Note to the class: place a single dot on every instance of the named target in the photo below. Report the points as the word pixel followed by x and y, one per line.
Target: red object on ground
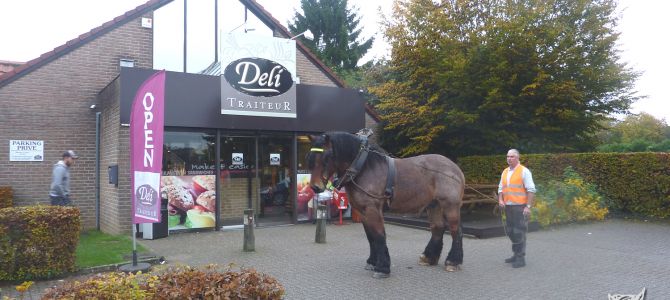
pixel 341 200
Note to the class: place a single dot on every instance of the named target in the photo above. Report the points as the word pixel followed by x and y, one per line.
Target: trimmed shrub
pixel 38 242
pixel 6 196
pixel 629 182
pixel 180 282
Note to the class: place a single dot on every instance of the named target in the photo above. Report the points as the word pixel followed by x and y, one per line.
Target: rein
pixel 499 209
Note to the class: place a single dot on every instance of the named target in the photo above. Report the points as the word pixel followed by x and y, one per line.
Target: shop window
pixel 305 194
pixel 168 39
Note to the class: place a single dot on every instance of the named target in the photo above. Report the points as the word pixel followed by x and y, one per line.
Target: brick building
pixel 77 97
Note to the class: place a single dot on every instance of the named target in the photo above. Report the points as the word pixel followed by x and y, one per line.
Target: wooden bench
pixel 476 194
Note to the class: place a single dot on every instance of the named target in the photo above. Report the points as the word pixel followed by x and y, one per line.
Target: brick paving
pixel 579 261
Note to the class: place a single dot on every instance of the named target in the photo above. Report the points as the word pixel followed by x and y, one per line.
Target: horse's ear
pixel 327 140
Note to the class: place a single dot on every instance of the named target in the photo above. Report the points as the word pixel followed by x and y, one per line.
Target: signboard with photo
pixel 26 150
pixel 191 201
pixel 238 159
pixel 275 159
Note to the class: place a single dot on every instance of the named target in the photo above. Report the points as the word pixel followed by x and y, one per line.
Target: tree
pixel 642 132
pixel 336 33
pixel 483 76
pixel 642 126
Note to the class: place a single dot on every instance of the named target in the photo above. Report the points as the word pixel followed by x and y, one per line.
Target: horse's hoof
pixel 425 261
pixel 370 267
pixel 452 268
pixel 380 275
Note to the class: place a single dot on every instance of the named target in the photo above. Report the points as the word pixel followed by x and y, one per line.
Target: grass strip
pixel 98 249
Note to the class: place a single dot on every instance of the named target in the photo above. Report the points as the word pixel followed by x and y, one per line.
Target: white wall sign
pixel 238 158
pixel 26 150
pixel 275 159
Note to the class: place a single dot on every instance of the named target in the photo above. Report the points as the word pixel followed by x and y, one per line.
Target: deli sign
pixel 258 76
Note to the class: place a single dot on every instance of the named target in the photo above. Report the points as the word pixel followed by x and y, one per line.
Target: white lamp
pixel 308 35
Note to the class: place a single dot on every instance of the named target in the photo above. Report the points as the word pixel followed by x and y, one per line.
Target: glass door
pixel 239 184
pixel 275 161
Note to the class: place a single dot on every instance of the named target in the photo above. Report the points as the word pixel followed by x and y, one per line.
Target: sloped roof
pixel 79 41
pixel 8 66
pixel 151 5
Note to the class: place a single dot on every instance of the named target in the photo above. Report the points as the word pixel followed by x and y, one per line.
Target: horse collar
pixel 357 164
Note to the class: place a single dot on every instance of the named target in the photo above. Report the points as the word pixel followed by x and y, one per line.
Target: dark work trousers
pixel 62 201
pixel 517 226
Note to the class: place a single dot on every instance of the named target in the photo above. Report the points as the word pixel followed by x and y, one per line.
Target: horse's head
pixel 319 162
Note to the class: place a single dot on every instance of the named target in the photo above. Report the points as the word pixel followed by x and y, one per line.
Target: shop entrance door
pixel 275 161
pixel 239 180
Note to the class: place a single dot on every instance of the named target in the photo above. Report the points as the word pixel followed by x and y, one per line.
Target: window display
pixel 188 179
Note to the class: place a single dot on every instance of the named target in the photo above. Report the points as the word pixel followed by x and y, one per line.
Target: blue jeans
pixel 60 200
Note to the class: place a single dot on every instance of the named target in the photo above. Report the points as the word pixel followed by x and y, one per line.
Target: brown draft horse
pixel 431 182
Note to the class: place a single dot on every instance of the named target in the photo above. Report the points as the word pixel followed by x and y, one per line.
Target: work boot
pixel 511 259
pixel 519 262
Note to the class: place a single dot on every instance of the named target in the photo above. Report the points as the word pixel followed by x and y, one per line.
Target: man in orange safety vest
pixel 516 193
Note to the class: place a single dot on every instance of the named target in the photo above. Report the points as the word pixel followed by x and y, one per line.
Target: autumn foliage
pixel 179 282
pixel 477 77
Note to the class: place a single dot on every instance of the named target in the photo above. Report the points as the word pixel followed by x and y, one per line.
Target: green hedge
pixel 630 182
pixel 6 196
pixel 38 242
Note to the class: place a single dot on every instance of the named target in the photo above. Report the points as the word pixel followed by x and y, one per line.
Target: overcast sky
pixel 29 28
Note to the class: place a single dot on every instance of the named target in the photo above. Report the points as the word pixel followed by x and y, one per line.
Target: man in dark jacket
pixel 59 193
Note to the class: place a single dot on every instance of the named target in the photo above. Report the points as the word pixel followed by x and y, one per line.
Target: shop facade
pixel 215 163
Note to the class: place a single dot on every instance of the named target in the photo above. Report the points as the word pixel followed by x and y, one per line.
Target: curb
pixel 152 260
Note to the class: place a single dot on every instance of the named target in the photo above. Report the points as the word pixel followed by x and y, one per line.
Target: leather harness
pixel 359 162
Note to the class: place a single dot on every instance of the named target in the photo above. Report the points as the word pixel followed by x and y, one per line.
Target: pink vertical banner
pixel 146 149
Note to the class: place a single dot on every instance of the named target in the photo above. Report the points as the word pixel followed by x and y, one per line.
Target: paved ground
pixel 583 261
pixel 570 262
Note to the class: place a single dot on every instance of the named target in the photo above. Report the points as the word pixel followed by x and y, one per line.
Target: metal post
pixel 320 236
pixel 135 267
pixel 249 239
pixel 134 245
pixel 185 34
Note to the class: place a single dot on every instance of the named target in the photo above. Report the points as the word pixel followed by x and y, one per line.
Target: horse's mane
pixel 345 147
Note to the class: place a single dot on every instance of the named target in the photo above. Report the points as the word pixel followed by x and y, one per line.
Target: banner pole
pixel 134 245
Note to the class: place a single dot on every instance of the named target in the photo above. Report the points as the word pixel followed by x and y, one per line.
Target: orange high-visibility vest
pixel 514 191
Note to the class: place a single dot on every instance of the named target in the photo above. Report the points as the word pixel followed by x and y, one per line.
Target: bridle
pixel 354 168
pixel 324 166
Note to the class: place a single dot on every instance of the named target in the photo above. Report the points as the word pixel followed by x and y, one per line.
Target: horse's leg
pixel 455 256
pixel 372 259
pixel 375 223
pixel 431 255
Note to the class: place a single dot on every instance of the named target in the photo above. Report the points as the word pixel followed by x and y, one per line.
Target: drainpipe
pixel 97 170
